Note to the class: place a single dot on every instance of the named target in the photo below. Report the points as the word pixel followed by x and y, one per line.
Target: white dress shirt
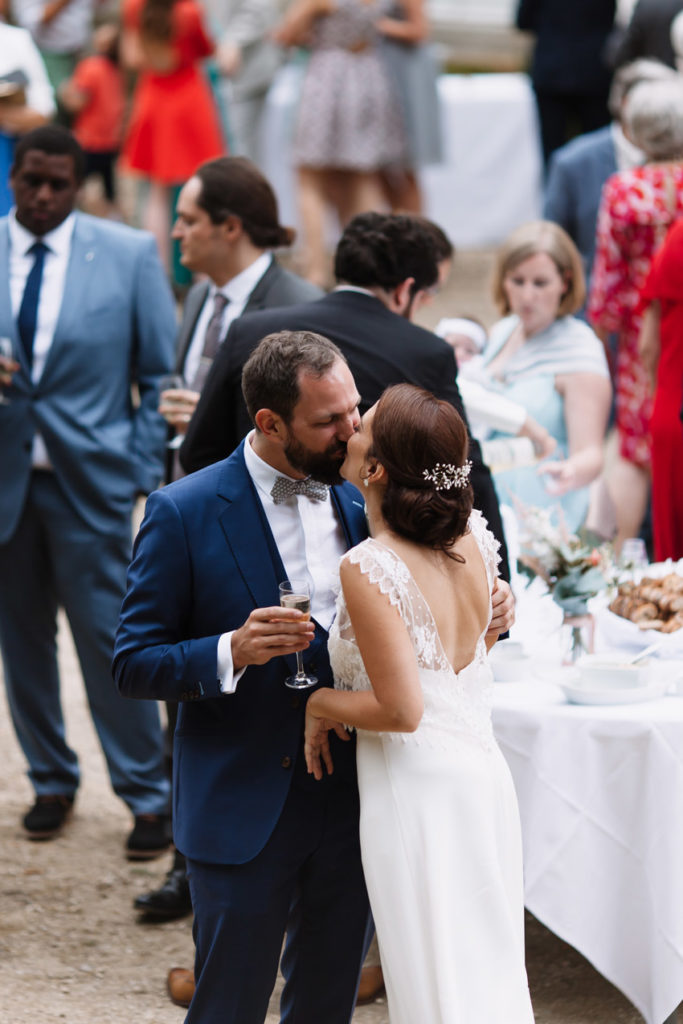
pixel 51 295
pixel 627 155
pixel 311 543
pixel 237 292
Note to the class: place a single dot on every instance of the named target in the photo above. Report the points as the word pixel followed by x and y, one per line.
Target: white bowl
pixel 605 672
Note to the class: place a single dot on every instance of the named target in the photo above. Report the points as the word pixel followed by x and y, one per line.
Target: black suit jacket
pixel 277 287
pixel 648 33
pixel 571 40
pixel 381 348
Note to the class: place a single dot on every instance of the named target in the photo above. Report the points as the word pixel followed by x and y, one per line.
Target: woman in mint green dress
pixel 551 363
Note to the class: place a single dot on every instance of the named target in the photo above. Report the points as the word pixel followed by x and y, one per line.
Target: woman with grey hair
pixel 637 209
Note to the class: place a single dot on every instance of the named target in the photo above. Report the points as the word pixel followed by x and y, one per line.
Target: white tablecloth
pixel 600 791
pixel 491 178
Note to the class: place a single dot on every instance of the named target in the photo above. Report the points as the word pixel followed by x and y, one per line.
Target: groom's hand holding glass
pixel 269 633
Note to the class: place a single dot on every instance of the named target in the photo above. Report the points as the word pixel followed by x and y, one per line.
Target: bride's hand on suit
pixel 317 740
pixel 502 608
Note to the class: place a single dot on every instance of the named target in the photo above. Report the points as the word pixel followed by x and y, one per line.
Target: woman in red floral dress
pixel 637 208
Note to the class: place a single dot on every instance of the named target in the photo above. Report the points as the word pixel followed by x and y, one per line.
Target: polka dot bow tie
pixel 284 488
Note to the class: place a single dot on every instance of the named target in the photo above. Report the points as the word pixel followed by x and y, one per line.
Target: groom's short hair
pixel 270 377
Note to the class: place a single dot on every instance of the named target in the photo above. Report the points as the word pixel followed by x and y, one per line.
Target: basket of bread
pixel 652 604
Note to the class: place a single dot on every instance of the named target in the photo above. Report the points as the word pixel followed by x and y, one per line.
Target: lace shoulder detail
pixel 488 545
pixel 387 570
pixel 381 566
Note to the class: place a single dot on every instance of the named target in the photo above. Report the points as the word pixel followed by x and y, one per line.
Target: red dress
pixel 636 209
pixel 174 124
pixel 665 283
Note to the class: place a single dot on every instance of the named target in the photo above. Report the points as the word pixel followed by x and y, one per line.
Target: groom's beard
pixel 323 466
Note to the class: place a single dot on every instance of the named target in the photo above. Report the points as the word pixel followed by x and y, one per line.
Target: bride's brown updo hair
pixel 412 431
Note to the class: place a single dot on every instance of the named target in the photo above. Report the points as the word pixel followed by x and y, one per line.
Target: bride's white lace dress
pixel 440 831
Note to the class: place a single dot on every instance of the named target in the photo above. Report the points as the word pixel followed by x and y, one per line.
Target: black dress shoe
pixel 47 817
pixel 150 837
pixel 169 902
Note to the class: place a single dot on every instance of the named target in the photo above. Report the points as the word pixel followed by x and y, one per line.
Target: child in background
pixel 95 95
pixel 488 410
pixel 466 336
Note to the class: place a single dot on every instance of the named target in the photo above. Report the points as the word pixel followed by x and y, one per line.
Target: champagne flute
pixel 297 594
pixel 172 382
pixel 7 353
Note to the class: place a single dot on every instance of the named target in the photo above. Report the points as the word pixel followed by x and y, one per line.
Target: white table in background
pixel 600 791
pixel 490 180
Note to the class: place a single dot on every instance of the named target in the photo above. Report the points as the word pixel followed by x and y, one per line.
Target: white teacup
pixel 509 661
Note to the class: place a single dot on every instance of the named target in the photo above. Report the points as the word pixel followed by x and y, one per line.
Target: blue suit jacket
pixel 116 327
pixel 204 559
pixel 576 174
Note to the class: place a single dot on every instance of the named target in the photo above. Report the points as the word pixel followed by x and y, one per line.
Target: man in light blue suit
pixel 90 316
pixel 580 168
pixel 269 849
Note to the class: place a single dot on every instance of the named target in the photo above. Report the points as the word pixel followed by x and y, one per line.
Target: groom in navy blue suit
pixel 269 849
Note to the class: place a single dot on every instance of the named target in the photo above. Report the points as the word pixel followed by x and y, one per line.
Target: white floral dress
pixel 440 833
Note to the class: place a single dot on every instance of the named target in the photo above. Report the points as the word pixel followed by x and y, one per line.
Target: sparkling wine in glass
pixel 6 353
pixel 170 382
pixel 297 594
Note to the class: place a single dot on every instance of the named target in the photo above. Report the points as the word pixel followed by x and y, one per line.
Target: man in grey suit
pixel 247 60
pixel 226 223
pixel 89 313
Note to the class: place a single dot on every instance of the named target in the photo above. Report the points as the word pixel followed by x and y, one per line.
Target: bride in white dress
pixel 440 832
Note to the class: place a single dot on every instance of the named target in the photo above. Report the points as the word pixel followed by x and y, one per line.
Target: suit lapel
pixel 350 507
pixel 193 306
pixel 258 296
pixel 8 324
pixel 248 534
pixel 78 287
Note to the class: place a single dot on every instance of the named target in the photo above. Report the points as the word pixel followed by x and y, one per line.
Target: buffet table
pixel 600 791
pixel 490 180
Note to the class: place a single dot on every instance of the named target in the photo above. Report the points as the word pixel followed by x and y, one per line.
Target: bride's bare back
pixel 457 592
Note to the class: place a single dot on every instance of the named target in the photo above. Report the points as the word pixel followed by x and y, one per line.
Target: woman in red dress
pixel 637 208
pixel 174 125
pixel 663 357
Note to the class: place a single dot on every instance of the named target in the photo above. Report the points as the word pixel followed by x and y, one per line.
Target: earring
pixel 365 482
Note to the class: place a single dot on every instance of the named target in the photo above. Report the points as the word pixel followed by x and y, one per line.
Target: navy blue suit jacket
pixel 204 559
pixel 571 38
pixel 576 174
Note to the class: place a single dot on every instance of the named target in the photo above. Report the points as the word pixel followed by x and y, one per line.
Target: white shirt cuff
pixel 227 677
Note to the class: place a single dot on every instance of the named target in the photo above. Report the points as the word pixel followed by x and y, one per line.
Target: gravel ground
pixel 71 948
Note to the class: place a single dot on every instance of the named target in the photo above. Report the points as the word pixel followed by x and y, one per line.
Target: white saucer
pixel 578 694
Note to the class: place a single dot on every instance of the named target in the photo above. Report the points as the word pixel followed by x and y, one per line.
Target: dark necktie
pixel 284 488
pixel 28 311
pixel 212 340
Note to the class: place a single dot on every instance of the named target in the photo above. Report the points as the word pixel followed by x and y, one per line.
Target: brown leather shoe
pixel 181 986
pixel 371 985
